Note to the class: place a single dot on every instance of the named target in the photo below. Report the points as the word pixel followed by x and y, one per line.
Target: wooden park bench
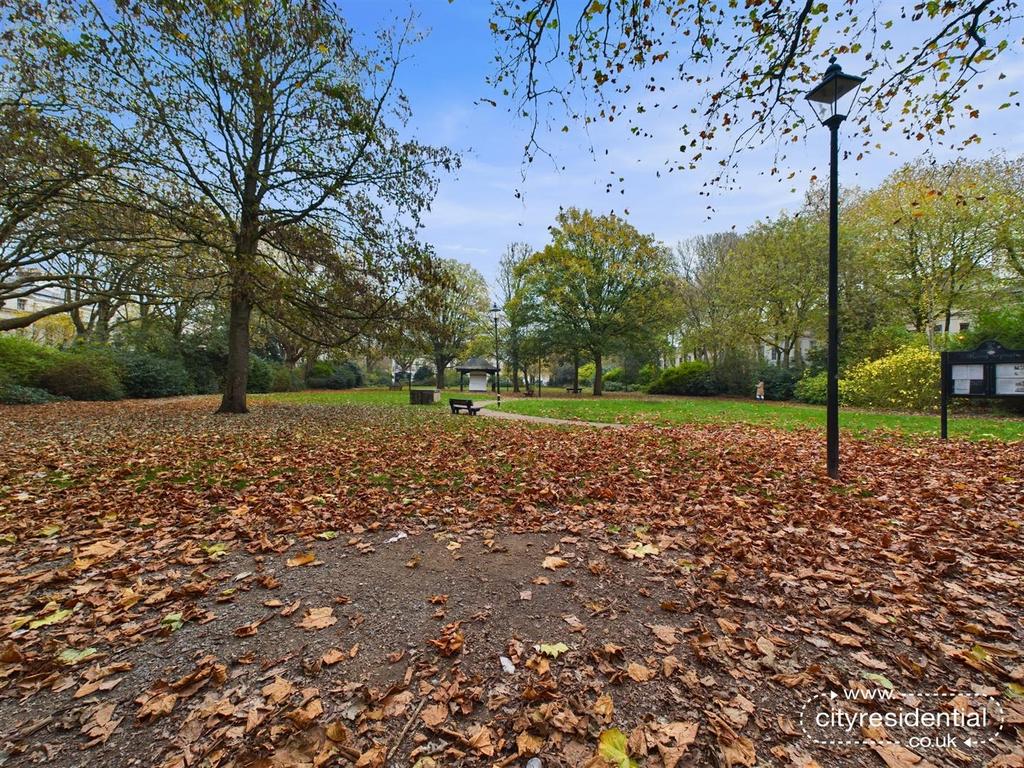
pixel 457 404
pixel 573 390
pixel 396 387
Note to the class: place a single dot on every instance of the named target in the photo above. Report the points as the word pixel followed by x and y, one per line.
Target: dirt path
pixel 491 411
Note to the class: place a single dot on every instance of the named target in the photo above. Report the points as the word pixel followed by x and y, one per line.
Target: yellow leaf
pixel 612 747
pixel 554 651
pixel 306 558
pixel 53 618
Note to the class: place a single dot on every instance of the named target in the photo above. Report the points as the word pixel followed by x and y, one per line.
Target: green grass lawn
pixel 785 415
pixel 369 396
pixel 666 410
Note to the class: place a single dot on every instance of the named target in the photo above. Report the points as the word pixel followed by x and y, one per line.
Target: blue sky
pixel 476 213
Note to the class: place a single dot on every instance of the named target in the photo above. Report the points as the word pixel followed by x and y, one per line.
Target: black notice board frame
pixel 988 355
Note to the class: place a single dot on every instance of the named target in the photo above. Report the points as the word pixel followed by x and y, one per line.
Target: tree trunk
pixel 237 375
pixel 515 376
pixel 101 330
pixel 598 375
pixel 310 361
pixel 247 243
pixel 76 319
pixel 439 366
pixel 575 370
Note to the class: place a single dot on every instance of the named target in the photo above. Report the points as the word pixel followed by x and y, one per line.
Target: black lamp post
pixel 831 99
pixel 495 311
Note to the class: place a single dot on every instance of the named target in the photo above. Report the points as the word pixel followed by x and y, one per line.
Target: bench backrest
pixel 458 401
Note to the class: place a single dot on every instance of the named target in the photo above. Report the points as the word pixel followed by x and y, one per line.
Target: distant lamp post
pixel 831 99
pixel 495 311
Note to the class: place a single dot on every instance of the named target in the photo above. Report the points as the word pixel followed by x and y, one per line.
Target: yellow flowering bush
pixel 906 380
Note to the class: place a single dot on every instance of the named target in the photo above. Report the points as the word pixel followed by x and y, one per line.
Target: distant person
pixel 759 393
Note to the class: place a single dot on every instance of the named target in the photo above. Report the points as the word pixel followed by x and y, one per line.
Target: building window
pixel 22 304
pixel 937 328
pixel 965 326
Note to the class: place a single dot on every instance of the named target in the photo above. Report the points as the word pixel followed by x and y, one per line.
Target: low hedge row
pixel 692 378
pixel 699 379
pixel 32 373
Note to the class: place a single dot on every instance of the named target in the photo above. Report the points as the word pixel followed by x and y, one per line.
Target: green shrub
pixel 871 344
pixel 321 370
pixel 146 375
pixel 812 389
pixel 614 386
pixel 285 380
pixel 83 376
pixel 587 373
pixel 15 394
pixel 345 375
pixel 647 374
pixel 260 375
pixel 1002 324
pixel 779 382
pixel 907 380
pixel 205 361
pixel 424 375
pixel 692 378
pixel 735 373
pixel 615 375
pixel 23 361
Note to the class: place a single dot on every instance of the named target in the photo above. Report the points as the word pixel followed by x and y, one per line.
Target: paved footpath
pixel 491 411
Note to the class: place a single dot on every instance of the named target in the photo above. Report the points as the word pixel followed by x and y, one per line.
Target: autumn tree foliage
pixel 515 309
pixel 932 241
pixel 66 228
pixel 604 280
pixel 263 134
pixel 750 64
pixel 446 312
pixel 942 235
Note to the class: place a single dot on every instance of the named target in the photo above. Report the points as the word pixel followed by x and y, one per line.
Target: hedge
pixel 345 375
pixel 812 389
pixel 779 382
pixel 260 375
pixel 23 361
pixel 15 394
pixel 285 380
pixel 692 378
pixel 146 375
pixel 83 376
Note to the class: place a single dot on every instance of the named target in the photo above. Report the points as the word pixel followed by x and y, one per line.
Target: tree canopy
pixel 750 64
pixel 259 131
pixel 604 280
pixel 447 312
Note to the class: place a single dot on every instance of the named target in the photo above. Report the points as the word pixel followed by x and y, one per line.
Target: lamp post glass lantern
pixel 495 311
pixel 831 100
